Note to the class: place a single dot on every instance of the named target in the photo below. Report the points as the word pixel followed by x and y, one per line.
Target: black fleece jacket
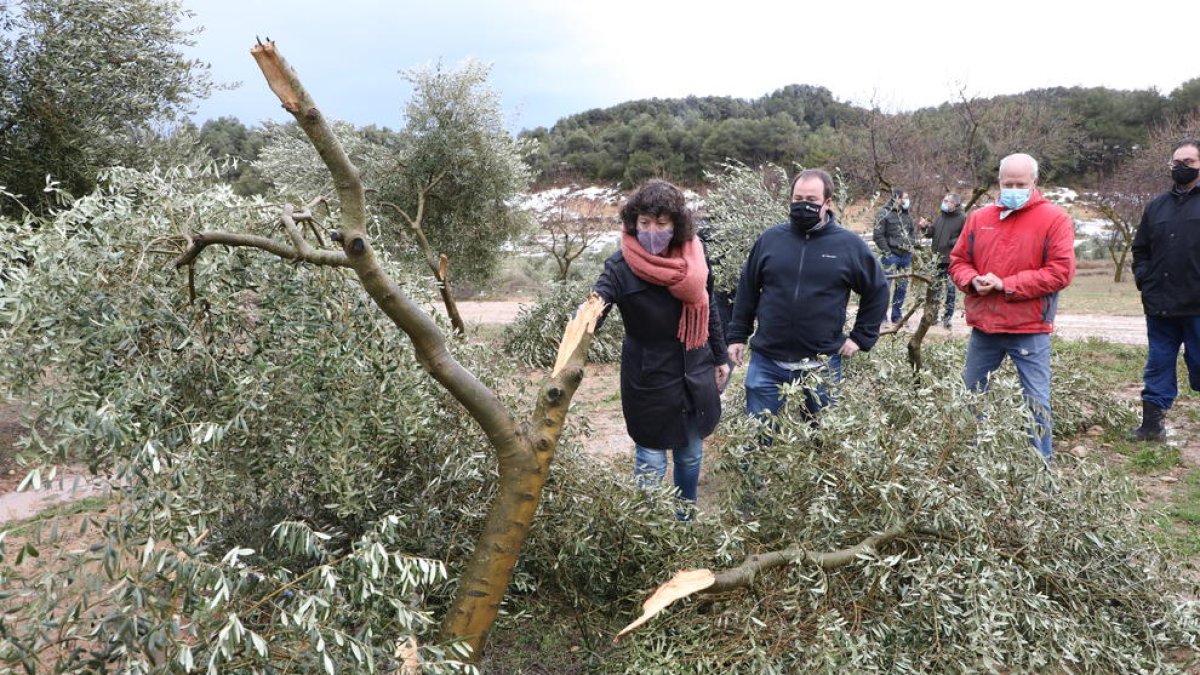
pixel 797 286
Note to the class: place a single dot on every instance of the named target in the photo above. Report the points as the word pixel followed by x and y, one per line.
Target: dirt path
pixel 1129 330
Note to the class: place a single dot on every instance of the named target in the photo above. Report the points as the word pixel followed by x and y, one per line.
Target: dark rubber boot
pixel 1152 428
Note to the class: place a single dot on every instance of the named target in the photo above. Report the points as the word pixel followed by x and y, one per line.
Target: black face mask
pixel 805 215
pixel 1183 174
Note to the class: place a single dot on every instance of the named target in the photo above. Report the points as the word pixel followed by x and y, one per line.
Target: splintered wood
pixel 680 586
pixel 582 325
pixel 274 69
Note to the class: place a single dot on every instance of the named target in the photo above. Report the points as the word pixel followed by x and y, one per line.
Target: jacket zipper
pixel 800 267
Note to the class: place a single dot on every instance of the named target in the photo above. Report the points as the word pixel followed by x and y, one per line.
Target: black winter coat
pixel 1166 255
pixel 945 230
pixel 893 232
pixel 661 383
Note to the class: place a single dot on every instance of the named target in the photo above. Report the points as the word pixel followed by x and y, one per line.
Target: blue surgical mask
pixel 1014 198
pixel 655 241
pixel 904 204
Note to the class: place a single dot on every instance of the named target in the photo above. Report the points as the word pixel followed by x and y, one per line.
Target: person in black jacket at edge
pixel 894 237
pixel 796 286
pixel 1166 268
pixel 673 358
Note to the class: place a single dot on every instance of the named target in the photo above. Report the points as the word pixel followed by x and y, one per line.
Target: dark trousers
pixel 1165 336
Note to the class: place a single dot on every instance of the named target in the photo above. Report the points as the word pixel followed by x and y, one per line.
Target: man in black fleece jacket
pixel 796 285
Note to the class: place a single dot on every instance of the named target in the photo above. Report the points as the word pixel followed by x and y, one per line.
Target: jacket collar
pixel 829 224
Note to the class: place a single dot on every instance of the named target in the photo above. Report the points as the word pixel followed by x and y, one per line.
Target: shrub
pixel 532 339
pixel 1005 566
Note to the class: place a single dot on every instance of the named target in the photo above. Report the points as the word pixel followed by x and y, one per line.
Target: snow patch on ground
pixel 1061 196
pixel 574 201
pixel 1096 227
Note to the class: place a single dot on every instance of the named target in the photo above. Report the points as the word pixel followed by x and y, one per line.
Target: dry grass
pixel 1093 292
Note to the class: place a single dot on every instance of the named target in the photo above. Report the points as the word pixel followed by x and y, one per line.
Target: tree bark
pixel 438 264
pixel 523 472
pixel 705 582
pixel 928 317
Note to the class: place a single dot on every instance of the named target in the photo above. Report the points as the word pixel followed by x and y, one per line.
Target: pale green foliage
pixel 295 168
pixel 453 148
pixel 533 337
pixel 454 128
pixel 85 84
pixel 277 396
pixel 1008 567
pixel 742 203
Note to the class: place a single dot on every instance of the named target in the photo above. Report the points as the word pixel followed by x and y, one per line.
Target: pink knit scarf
pixel 684 273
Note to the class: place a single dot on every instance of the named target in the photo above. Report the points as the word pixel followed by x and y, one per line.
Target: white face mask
pixel 904 203
pixel 947 207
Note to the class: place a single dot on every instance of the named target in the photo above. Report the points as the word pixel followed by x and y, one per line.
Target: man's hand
pixel 848 348
pixel 722 375
pixel 987 283
pixel 737 351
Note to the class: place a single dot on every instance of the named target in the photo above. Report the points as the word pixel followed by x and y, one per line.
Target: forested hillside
pixel 1081 132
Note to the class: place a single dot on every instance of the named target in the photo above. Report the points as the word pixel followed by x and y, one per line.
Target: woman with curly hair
pixel 673 358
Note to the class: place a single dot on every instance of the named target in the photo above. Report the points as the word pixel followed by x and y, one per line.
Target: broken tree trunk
pixel 524 449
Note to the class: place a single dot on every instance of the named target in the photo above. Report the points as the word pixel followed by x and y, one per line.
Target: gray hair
pixel 954 198
pixel 1020 155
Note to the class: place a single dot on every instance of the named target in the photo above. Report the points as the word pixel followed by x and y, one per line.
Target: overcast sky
pixel 552 58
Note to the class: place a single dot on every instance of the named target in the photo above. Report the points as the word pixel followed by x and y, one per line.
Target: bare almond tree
pixel 570 226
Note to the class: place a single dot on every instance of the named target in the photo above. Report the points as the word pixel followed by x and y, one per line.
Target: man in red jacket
pixel 1012 259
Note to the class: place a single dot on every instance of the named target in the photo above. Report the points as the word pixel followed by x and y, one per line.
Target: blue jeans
pixel 764 376
pixel 1165 335
pixel 897 264
pixel 1030 353
pixel 943 276
pixel 650 464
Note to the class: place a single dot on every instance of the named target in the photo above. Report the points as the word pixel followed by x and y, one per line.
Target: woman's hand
pixel 722 375
pixel 737 351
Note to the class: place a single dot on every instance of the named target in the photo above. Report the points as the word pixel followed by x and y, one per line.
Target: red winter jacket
pixel 1032 251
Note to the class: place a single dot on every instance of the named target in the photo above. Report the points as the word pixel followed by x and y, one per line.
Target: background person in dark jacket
pixel 1166 267
pixel 944 234
pixel 894 237
pixel 673 358
pixel 796 286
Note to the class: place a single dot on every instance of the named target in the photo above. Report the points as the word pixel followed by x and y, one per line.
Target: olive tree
pixel 913 528
pixel 85 83
pixel 443 187
pixel 179 382
pixel 742 203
